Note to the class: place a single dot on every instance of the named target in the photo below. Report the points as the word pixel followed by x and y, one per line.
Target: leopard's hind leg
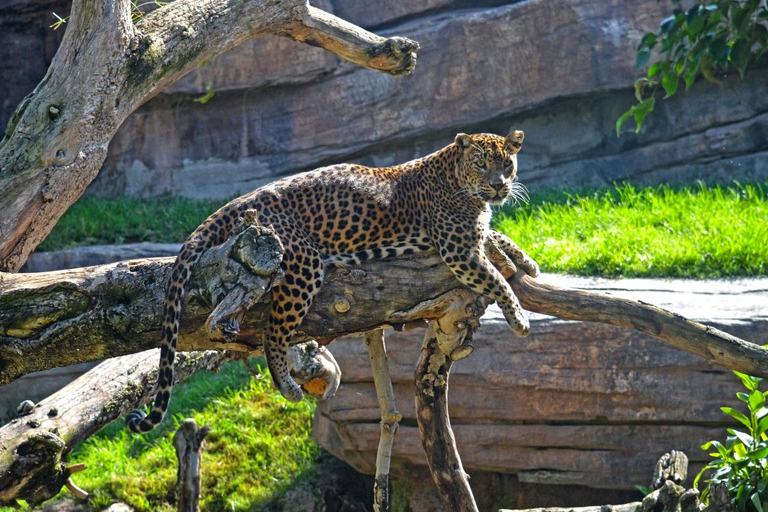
pixel 303 269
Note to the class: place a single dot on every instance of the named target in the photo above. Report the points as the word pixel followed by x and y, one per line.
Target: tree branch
pixel 57 139
pixel 59 318
pixel 32 446
pixel 431 402
pixel 396 55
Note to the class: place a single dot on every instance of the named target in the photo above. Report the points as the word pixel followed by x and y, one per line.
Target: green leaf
pixel 741 52
pixel 718 50
pixel 737 415
pixel 654 70
pixel 751 383
pixel 643 55
pixel 642 109
pixel 762 426
pixel 759 453
pixel 745 438
pixel 667 24
pixel 756 401
pixel 744 397
pixel 623 119
pixel 690 74
pixel 669 83
pixel 648 41
pixel 208 95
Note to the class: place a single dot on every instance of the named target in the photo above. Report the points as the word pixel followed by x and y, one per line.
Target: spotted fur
pixel 345 214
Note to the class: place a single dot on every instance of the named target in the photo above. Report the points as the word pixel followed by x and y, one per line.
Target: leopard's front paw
pixel 518 322
pixel 528 266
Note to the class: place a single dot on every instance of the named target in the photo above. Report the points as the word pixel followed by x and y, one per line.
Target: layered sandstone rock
pixel 578 404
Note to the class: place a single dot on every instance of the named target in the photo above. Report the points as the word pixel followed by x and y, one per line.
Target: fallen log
pixel 116 309
pixel 33 447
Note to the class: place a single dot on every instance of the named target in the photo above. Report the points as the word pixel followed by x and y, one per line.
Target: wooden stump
pixel 188 442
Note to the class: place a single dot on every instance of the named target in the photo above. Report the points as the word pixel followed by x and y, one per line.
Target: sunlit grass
pixel 653 232
pixel 258 446
pixel 96 221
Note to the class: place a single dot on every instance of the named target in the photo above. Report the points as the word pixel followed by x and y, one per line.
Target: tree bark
pixel 390 418
pixel 431 399
pixel 107 66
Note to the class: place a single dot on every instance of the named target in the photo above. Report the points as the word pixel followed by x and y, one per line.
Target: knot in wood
pixel 464 350
pixel 53 112
pixel 25 407
pixel 341 305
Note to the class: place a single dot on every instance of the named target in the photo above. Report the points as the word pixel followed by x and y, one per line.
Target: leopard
pixel 345 214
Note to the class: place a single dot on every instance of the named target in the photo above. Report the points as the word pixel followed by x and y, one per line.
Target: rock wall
pixel 561 70
pixel 574 405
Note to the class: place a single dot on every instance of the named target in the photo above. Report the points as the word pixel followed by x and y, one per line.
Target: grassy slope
pixel 95 221
pixel 695 232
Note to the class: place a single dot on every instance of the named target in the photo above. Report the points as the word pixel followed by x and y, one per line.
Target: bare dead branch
pixel 389 417
pixel 188 442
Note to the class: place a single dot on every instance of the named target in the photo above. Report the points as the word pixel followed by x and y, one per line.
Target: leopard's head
pixel 487 166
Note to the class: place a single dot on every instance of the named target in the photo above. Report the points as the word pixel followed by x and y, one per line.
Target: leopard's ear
pixel 463 141
pixel 514 141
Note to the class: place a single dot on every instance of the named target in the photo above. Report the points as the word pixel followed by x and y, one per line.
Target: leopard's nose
pixel 497 186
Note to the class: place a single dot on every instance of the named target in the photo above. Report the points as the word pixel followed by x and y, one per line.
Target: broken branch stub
pixel 188 443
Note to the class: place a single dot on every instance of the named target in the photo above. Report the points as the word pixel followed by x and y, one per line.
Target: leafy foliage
pixel 710 37
pixel 740 463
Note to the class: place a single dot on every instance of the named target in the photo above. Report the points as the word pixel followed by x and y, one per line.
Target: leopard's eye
pixel 480 164
pixel 508 162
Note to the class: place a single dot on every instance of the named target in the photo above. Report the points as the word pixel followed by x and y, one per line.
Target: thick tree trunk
pixel 107 66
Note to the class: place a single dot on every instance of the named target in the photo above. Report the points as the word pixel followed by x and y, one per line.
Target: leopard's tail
pixel 214 231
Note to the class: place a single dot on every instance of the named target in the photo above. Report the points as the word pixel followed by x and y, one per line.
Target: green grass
pixel 259 446
pixel 94 221
pixel 697 232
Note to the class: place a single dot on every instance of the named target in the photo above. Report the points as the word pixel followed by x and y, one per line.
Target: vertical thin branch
pixel 188 442
pixel 389 417
pixel 431 399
